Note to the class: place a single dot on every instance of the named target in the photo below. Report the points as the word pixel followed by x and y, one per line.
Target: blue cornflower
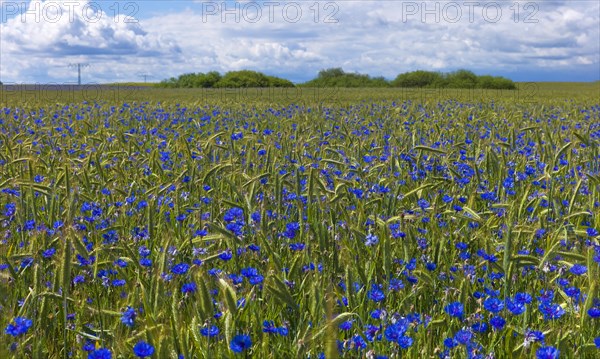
pixel 480 327
pixel 455 309
pixel 128 317
pixel 256 279
pixel 141 205
pixel 240 343
pixel 377 314
pixel 376 294
pixel 551 310
pixel 101 353
pixel 120 262
pixel 291 229
pixel 534 336
pixel 249 272
pixel 226 255
pixel 347 325
pixel 269 327
pixel 236 227
pixel 573 292
pixel 405 342
pixel 210 332
pixel 189 288
pixel 201 233
pixel 578 269
pixel 21 326
pixel 547 353
pixel 594 312
pixel 524 298
pixel 237 136
pixel 357 192
pixel 394 331
pixel 233 214
pixel 430 266
pixel 180 268
pixel 9 209
pixel 297 246
pixel 371 332
pixel 592 232
pixel 423 203
pixel 358 342
pixel 48 253
pixel 143 349
pixel 447 199
pixel 371 240
pixel 395 284
pixel 118 282
pixel 493 305
pixel 546 295
pixel 450 343
pixel 463 336
pixel 515 307
pixel 110 237
pixel 88 346
pixel 29 225
pixel 146 262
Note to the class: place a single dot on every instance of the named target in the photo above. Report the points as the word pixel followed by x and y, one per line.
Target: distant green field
pixel 526 93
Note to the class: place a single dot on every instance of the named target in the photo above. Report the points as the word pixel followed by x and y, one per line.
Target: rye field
pixel 300 223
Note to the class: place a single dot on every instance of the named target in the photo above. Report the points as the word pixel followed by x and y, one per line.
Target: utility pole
pixel 79 66
pixel 145 76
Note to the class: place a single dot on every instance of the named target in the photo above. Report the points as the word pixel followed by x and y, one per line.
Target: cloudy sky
pixel 525 41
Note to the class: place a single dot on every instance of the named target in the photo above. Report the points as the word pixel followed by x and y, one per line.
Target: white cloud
pixel 379 38
pixel 51 34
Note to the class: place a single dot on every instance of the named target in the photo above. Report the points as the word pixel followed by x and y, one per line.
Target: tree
pixel 232 79
pixel 418 78
pixel 336 77
pixel 462 79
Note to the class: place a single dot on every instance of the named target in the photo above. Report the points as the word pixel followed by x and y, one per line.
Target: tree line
pixel 337 77
pixel 232 79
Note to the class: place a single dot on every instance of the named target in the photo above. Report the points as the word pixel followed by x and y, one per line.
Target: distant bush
pixel 457 79
pixel 336 77
pixel 418 79
pixel 232 79
pixel 495 82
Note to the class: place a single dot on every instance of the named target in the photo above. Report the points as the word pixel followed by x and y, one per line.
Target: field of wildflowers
pixel 369 226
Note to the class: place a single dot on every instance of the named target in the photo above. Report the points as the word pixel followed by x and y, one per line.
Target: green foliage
pixel 233 79
pixel 460 79
pixel 495 82
pixel 418 78
pixel 336 77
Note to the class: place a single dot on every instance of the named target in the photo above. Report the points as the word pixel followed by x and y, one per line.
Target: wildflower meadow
pixel 372 224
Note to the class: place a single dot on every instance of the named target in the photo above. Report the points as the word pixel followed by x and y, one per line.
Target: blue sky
pixel 525 41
